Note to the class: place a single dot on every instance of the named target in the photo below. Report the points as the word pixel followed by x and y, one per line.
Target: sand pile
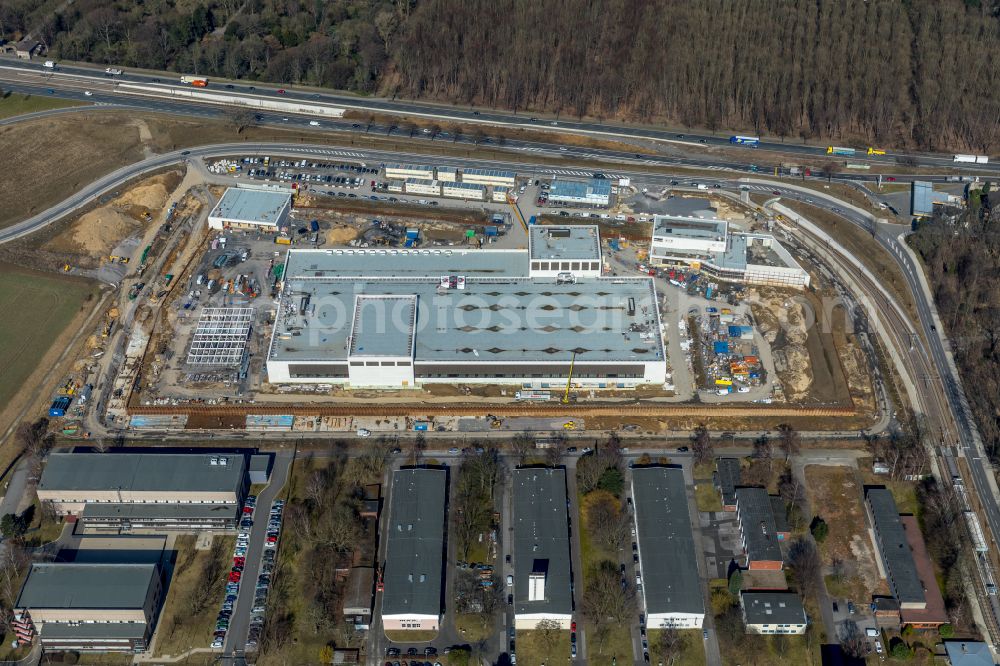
pixel 151 195
pixel 98 231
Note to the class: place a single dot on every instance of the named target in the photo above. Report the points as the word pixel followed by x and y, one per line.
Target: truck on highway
pixel 972 159
pixel 752 141
pixel 835 150
pixel 196 81
pixel 875 151
pixel 113 71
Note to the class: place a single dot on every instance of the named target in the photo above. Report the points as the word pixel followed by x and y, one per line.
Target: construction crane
pixel 569 380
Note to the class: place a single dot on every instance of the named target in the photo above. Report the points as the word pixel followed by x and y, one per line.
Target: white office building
pixel 250 209
pixel 699 240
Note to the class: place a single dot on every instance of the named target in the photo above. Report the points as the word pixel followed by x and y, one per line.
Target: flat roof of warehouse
pixel 541 539
pixel 86 586
pixel 402 264
pixel 383 326
pixel 569 242
pixel 663 526
pixel 251 205
pixel 166 472
pixel 415 543
pixel 491 320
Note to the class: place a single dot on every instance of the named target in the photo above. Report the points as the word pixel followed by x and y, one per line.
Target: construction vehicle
pixel 875 151
pixel 496 423
pixel 115 258
pixel 569 425
pixel 569 380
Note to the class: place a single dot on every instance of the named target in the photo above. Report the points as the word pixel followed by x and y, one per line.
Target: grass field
pixel 38 309
pixel 707 497
pixel 532 648
pixel 617 641
pixel 181 630
pixel 16 104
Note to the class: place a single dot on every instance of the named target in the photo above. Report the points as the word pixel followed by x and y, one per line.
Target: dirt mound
pixel 341 235
pixel 151 195
pixel 98 231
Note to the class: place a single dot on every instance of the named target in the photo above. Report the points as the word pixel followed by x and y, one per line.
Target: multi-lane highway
pixel 76 80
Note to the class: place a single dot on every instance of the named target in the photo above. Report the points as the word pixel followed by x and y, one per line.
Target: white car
pixel 362 432
pixel 314 123
pixel 510 581
pixel 878 647
pixel 217 643
pixel 88 93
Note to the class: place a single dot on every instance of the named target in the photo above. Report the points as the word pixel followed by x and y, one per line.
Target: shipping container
pixel 59 406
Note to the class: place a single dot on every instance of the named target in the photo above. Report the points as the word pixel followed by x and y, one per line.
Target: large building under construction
pixel 402 318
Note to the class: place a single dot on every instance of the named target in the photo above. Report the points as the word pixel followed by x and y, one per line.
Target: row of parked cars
pixel 235 574
pixel 264 577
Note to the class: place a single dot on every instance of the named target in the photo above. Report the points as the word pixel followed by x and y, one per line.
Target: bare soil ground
pixel 95 233
pixel 835 495
pixel 57 155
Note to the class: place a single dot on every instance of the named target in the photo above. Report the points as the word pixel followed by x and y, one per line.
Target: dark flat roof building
pixel 92 606
pixel 757 529
pixel 728 470
pixel 414 566
pixel 897 558
pixel 672 595
pixel 147 490
pixel 541 548
pixel 773 613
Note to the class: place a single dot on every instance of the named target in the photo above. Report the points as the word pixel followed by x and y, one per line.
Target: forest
pixel 962 260
pixel 914 73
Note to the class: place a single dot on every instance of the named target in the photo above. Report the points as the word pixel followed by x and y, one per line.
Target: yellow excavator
pixel 569 380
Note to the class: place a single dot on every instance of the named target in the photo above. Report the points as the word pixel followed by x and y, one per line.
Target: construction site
pixel 252 315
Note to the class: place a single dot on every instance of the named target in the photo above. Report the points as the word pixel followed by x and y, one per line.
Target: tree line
pixel 919 73
pixel 962 259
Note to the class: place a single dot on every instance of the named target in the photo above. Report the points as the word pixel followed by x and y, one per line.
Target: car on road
pixel 878 646
pixel 88 93
pixel 683 449
pixel 776 193
pixel 281 91
pixel 704 634
pixel 572 650
pixel 314 123
pixel 510 581
pixel 454 451
pixel 363 432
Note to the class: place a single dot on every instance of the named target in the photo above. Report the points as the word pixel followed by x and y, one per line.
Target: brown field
pixel 835 494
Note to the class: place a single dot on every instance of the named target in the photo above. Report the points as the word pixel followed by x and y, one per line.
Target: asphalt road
pixel 13 69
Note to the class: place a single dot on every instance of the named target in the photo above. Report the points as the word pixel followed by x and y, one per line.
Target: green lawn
pixel 530 648
pixel 16 104
pixel 692 654
pixel 707 497
pixel 38 308
pixel 471 627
